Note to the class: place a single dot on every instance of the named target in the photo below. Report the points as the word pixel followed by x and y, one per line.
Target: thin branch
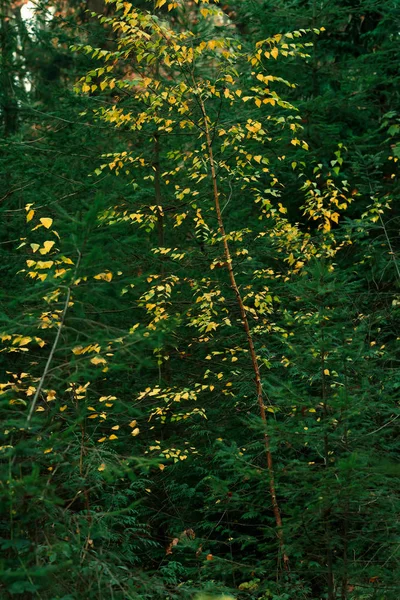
pixel 383 426
pixel 54 347
pixel 246 326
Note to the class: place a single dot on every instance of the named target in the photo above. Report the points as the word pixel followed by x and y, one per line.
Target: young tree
pixel 201 329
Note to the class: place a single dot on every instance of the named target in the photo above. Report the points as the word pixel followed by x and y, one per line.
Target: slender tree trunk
pixel 157 190
pixel 345 582
pixel 327 511
pixel 164 369
pixel 250 342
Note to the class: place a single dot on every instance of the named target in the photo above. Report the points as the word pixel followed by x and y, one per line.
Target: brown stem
pixel 164 369
pixel 157 190
pixel 86 493
pixel 250 342
pixel 328 536
pixel 345 582
pixel 157 181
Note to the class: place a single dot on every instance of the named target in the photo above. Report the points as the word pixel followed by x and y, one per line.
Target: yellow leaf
pixel 104 276
pixel 29 216
pixel 103 439
pixel 161 467
pixel 326 372
pixel 35 247
pixel 335 217
pixel 113 437
pixel 62 408
pixel 46 222
pixel 40 409
pixel 135 432
pixel 258 102
pixel 275 52
pixel 47 246
pixel 48 451
pixel 104 398
pixel 60 272
pixel 116 427
pixel 101 467
pixel 257 158
pixel 44 264
pixel 103 85
pixel 132 423
pixel 85 88
pixel 98 360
